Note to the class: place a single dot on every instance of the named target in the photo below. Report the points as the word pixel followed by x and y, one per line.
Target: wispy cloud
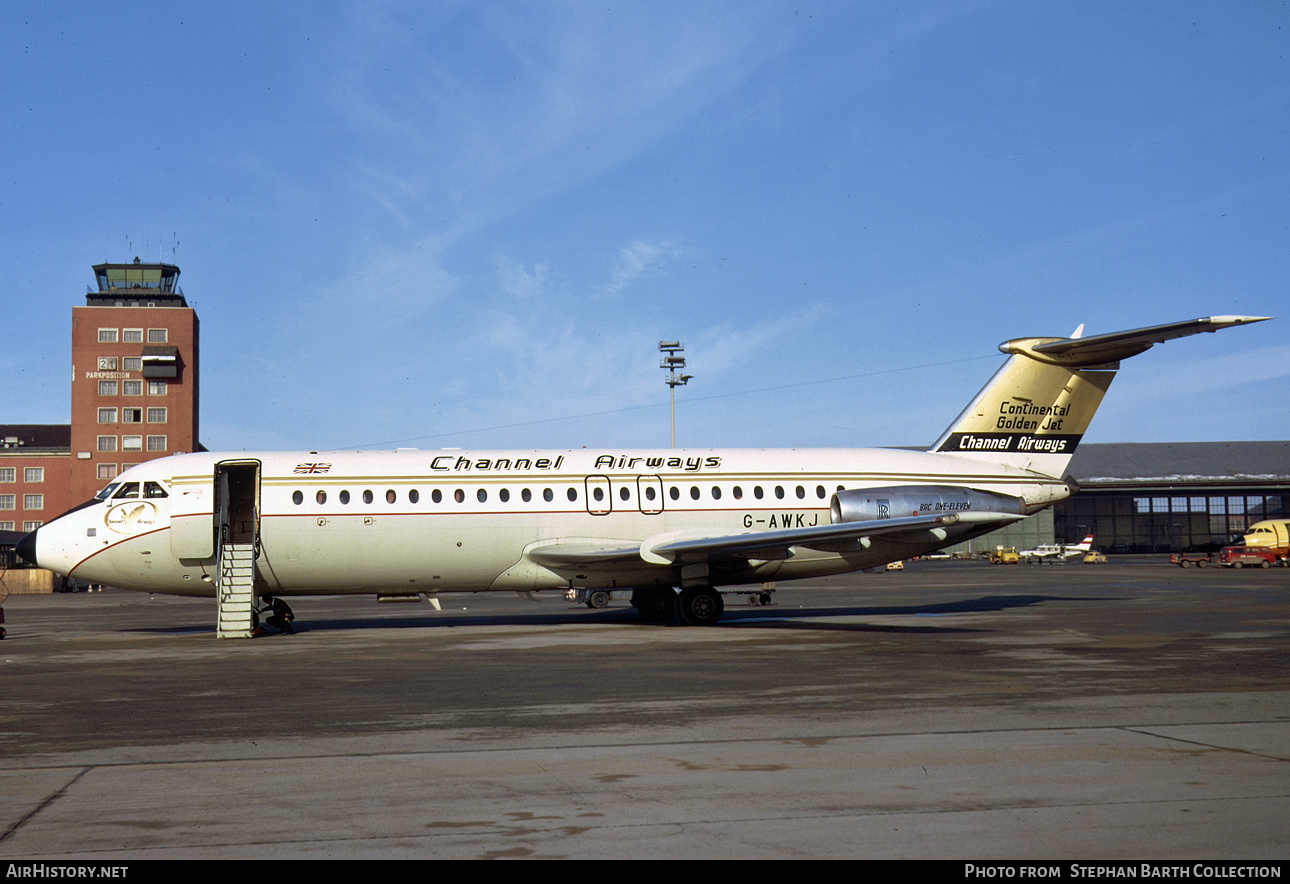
pixel 728 348
pixel 636 260
pixel 519 282
pixel 1245 372
pixel 565 94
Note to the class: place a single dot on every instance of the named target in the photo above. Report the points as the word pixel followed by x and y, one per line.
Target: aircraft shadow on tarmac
pixel 772 617
pixel 818 618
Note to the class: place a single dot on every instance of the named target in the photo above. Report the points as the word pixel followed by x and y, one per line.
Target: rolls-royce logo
pixel 131 517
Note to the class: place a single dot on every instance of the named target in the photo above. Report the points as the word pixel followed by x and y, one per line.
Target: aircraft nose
pixel 27 547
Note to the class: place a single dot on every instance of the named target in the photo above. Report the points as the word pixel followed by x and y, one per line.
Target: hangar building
pixel 1173 496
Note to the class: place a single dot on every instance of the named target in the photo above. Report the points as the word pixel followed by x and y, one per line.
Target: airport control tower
pixel 134 373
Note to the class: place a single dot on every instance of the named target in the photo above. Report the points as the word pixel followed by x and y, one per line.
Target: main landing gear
pixel 694 605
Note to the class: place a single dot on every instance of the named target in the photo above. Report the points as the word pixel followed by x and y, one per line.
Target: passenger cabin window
pixel 344 497
pixel 414 496
pixel 436 496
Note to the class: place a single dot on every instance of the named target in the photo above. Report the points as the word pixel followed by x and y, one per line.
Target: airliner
pixel 1059 550
pixel 673 527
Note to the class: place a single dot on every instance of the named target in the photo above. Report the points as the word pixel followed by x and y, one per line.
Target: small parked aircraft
pixel 1058 550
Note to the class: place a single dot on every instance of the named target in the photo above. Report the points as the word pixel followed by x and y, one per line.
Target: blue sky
pixel 469 224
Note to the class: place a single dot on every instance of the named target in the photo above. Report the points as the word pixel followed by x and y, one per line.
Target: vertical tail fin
pixel 1031 415
pixel 1034 411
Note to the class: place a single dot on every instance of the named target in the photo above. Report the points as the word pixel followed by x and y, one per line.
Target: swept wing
pixel 684 548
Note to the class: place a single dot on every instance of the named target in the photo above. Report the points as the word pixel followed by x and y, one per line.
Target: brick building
pixel 133 398
pixel 35 474
pixel 134 373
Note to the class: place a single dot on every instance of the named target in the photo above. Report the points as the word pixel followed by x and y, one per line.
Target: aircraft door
pixel 649 491
pixel 237 499
pixel 192 521
pixel 600 500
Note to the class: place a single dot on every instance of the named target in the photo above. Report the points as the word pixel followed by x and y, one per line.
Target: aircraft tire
pixel 655 605
pixel 701 606
pixel 598 599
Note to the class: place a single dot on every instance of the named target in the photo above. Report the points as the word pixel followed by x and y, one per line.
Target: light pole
pixel 672 363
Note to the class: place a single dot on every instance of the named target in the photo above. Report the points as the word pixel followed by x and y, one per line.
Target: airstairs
pixel 236 588
pixel 238 532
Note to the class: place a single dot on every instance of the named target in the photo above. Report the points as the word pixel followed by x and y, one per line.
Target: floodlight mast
pixel 672 363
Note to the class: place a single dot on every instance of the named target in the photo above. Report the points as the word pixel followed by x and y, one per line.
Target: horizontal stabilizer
pixel 1035 410
pixel 1079 352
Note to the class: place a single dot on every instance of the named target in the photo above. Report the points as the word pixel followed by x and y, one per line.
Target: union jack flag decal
pixel 312 468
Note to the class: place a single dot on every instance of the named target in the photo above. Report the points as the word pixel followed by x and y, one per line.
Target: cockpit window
pixel 106 492
pixel 154 490
pixel 127 490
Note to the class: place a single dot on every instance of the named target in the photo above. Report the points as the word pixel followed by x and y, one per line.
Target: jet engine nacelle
pixel 900 501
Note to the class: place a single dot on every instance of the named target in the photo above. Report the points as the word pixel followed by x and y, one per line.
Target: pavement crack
pixel 1203 745
pixel 48 801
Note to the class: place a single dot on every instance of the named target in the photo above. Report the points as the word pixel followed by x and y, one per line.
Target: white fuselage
pixel 408 521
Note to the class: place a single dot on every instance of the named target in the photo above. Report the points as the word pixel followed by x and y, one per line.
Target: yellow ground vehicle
pixel 1005 555
pixel 1093 557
